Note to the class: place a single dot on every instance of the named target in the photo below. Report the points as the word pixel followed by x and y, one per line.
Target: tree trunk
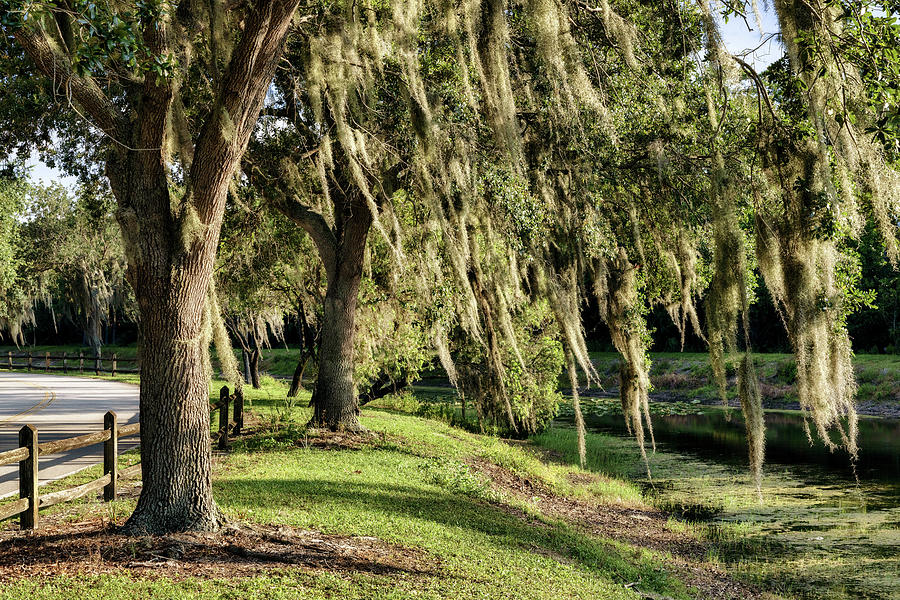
pixel 171 241
pixel 254 362
pixel 174 402
pixel 245 355
pixel 297 379
pixel 335 399
pixel 309 339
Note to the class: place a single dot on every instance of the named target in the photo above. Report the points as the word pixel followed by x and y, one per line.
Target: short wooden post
pixel 28 476
pixel 81 362
pixel 47 361
pixel 114 364
pixel 238 411
pixel 29 361
pixel 223 418
pixel 9 360
pixel 97 364
pixel 111 455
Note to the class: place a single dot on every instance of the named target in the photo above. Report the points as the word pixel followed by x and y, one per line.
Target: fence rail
pixel 69 363
pixel 30 451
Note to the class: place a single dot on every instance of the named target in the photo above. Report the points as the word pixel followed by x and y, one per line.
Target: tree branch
pixel 54 65
pixel 317 228
pixel 224 137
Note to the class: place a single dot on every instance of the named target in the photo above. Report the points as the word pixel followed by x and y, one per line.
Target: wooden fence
pixel 69 364
pixel 30 451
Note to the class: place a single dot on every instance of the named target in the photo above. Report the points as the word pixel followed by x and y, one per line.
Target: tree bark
pixel 254 369
pixel 245 356
pixel 297 379
pixel 335 399
pixel 174 403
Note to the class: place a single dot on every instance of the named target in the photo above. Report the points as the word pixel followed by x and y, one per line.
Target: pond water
pixel 820 531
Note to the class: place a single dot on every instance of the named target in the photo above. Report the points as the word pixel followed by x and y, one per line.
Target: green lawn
pixel 410 485
pixel 413 485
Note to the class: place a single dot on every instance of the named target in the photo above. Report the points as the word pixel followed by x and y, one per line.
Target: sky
pixel 735 33
pixel 41 173
pixel 739 39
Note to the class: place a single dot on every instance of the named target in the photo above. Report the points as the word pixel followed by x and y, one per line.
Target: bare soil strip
pixel 640 527
pixel 93 547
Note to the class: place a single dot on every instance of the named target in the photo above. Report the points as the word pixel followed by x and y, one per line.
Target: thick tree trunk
pixel 174 402
pixel 335 399
pixel 171 242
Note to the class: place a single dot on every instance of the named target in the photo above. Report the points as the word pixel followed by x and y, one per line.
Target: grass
pixel 687 376
pixel 411 485
pixel 414 486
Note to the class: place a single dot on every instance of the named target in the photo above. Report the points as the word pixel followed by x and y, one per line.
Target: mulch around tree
pixel 94 547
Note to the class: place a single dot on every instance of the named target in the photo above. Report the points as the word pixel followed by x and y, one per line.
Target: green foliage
pixel 530 384
pixel 11 207
pixel 68 256
pixel 455 477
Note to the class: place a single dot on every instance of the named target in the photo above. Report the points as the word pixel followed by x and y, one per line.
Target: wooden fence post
pixel 97 364
pixel 29 361
pixel 238 411
pixel 28 476
pixel 223 418
pixel 81 362
pixel 114 364
pixel 111 455
pixel 9 360
pixel 46 361
pixel 66 363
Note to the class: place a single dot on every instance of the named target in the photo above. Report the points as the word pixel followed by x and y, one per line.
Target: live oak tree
pixel 170 149
pixel 307 167
pixel 551 150
pixel 531 165
pixel 67 261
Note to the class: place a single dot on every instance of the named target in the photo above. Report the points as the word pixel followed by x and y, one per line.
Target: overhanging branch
pixel 99 108
pixel 317 228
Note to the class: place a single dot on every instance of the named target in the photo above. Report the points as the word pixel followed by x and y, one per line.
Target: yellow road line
pixel 48 399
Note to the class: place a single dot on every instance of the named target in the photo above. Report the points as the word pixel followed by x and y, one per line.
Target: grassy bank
pixel 688 376
pixel 449 513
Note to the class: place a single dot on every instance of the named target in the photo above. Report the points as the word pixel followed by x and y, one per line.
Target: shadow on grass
pixel 236 551
pixel 502 526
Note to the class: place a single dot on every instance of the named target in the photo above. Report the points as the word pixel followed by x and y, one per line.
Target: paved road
pixel 60 407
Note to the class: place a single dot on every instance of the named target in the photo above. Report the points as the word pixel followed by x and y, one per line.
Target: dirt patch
pixel 258 435
pixel 641 527
pixel 338 440
pixel 638 526
pixel 94 547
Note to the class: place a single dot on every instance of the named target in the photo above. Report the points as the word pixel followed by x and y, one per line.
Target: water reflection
pixel 712 435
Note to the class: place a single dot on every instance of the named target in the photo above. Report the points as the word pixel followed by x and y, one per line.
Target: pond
pixel 818 532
